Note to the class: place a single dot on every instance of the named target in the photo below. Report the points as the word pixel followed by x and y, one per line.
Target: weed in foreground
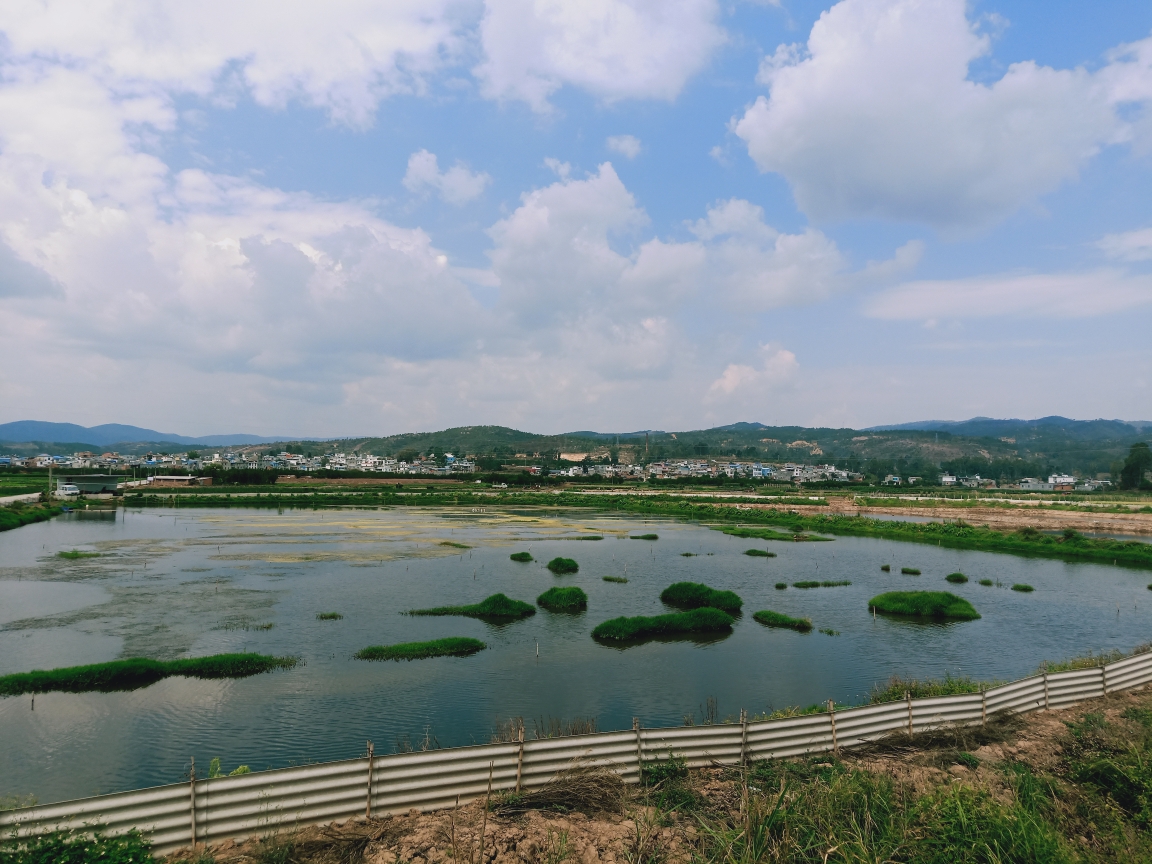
pixel 64 847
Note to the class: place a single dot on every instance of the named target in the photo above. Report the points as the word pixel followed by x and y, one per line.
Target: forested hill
pixel 1033 450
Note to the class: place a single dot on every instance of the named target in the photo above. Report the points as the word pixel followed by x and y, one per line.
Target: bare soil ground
pixel 640 832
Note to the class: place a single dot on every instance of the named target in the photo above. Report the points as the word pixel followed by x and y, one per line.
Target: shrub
pixel 496 606
pixel 693 595
pixel 780 586
pixel 956 578
pixel 760 553
pixel 563 565
pixel 1020 586
pixel 563 600
pixel 775 619
pixel 453 646
pixel 522 557
pixel 705 620
pixel 66 847
pixel 938 605
pixel 909 571
pixel 985 582
pixel 887 568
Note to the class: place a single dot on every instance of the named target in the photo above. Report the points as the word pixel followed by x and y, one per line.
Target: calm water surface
pixel 180 583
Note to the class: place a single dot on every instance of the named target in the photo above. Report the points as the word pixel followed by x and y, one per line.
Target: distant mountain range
pixel 989 427
pixel 114 433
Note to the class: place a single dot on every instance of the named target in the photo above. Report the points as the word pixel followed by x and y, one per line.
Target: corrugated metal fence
pixel 209 811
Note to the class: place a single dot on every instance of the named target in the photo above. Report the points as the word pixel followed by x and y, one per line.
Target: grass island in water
pixel 522 557
pixel 760 553
pixel 706 620
pixel 563 565
pixel 496 606
pixel 453 646
pixel 775 619
pixel 137 672
pixel 693 595
pixel 934 605
pixel 563 600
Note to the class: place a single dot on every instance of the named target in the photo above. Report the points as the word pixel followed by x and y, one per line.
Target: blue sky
pixel 369 218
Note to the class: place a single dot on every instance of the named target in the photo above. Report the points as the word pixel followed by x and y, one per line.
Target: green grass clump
pixel 887 568
pixel 687 554
pixel 18 515
pixel 824 584
pixel 138 672
pixel 937 605
pixel 644 537
pixel 620 579
pixel 956 578
pixel 522 557
pixel 987 583
pixel 909 571
pixel 76 554
pixel 329 616
pixel 693 595
pixel 760 553
pixel 496 606
pixel 67 847
pixel 770 534
pixel 563 600
pixel 828 631
pixel 780 586
pixel 560 566
pixel 705 620
pixel 454 545
pixel 896 687
pixel 453 646
pixel 775 619
pixel 1021 586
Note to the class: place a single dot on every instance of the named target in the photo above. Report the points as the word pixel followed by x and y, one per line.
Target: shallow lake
pixel 176 583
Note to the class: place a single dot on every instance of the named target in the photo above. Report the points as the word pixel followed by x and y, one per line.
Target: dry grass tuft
pixel 580 787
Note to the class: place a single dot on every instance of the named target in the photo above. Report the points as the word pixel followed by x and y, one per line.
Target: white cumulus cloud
pixel 614 49
pixel 457 185
pixel 778 367
pixel 625 145
pixel 876 116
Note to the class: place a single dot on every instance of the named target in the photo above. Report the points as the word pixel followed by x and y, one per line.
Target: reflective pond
pixel 170 583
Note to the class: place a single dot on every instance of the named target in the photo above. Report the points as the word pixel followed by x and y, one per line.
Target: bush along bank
pixel 18 515
pixel 138 672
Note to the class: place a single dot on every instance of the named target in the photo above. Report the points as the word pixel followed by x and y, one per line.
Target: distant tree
pixel 192 454
pixel 1139 461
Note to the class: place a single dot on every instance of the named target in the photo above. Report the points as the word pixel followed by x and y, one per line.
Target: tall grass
pixel 76 555
pixel 1023 588
pixel 558 599
pixel 956 578
pixel 66 847
pixel 560 566
pixel 619 579
pixel 760 553
pixel 18 515
pixel 496 606
pixel 644 537
pixel 453 646
pixel 138 672
pixel 825 584
pixel 706 620
pixel 693 595
pixel 522 557
pixel 935 605
pixel 775 619
pixel 895 688
pixel 909 571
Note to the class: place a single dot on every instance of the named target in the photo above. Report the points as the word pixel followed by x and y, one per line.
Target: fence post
pixel 192 799
pixel 639 751
pixel 908 699
pixel 743 736
pixel 832 717
pixel 520 757
pixel 368 806
pixel 1045 691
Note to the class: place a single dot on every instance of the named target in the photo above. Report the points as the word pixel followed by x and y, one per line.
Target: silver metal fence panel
pixel 697 745
pixel 938 711
pixel 437 778
pixel 1128 673
pixel 544 758
pixel 793 736
pixel 268 801
pixel 162 812
pixel 1068 688
pixel 870 722
pixel 1019 696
